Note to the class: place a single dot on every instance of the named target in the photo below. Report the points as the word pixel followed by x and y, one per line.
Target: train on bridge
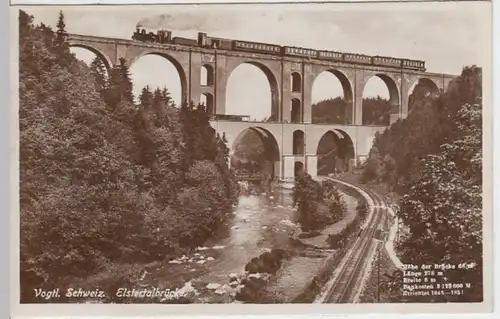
pixel 205 41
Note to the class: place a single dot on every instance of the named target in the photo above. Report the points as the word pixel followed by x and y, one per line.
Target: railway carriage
pixel 330 55
pixel 215 43
pixel 299 52
pixel 358 58
pixel 256 47
pixel 184 41
pixel 387 61
pixel 414 64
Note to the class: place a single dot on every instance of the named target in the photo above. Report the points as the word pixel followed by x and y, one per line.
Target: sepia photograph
pixel 254 154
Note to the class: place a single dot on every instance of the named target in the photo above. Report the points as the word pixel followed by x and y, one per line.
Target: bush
pixel 319 204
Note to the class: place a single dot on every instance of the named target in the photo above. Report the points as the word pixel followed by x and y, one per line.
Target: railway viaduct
pixel 291 139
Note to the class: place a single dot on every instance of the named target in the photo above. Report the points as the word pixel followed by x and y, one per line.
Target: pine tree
pixel 61 46
pixel 61 25
pixel 187 129
pixel 119 86
pixel 373 166
pixel 159 109
pixel 99 71
pixel 126 88
pixel 25 23
pixel 146 98
pixel 112 94
pixel 225 148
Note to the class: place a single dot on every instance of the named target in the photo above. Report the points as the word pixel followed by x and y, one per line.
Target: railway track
pixel 345 283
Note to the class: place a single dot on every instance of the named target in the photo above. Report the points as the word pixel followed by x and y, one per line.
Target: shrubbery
pixel 319 204
pixel 105 182
pixel 339 240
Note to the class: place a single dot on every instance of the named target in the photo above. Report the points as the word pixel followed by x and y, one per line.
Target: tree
pixel 330 111
pixel 373 166
pixel 376 111
pixel 120 86
pixel 61 25
pixel 62 47
pixel 98 70
pixel 126 88
pixel 318 204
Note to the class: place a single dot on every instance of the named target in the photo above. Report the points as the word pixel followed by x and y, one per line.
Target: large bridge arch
pixel 271 157
pixel 271 69
pixel 335 152
pixel 392 83
pixel 341 76
pixel 179 67
pixel 432 87
pixel 420 88
pixel 108 64
pixel 346 79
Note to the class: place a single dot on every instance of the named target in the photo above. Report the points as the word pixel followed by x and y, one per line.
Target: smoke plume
pixel 189 21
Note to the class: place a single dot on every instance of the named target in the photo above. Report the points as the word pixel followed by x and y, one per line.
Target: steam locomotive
pixel 204 41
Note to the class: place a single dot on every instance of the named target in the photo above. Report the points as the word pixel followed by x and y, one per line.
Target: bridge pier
pixel 308 163
pixel 312 165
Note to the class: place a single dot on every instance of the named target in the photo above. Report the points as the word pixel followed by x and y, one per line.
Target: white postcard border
pixel 206 309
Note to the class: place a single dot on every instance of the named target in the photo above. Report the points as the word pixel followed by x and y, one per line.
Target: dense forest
pixel 107 184
pixel 433 159
pixel 375 111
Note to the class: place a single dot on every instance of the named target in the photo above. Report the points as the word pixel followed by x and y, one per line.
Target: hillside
pixel 106 185
pixel 433 159
pixel 375 111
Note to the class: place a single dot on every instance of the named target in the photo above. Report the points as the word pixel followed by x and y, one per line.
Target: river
pixel 262 221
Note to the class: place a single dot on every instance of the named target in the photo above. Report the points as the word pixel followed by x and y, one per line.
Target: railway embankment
pixel 339 238
pixel 319 253
pixel 394 225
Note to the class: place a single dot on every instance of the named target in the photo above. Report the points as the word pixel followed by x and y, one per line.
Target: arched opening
pixel 298 142
pixel 380 99
pixel 252 90
pixel 296 111
pixel 99 66
pixel 298 168
pixel 207 100
pixel 332 98
pixel 296 82
pixel 159 71
pixel 207 75
pixel 91 56
pixel 335 153
pixel 420 91
pixel 256 154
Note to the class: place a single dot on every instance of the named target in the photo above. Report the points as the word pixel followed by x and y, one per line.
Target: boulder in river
pixel 268 262
pixel 213 286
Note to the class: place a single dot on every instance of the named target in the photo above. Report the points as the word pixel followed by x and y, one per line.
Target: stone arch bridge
pixel 291 134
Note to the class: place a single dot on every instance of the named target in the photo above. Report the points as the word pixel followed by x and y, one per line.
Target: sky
pixel 447 35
